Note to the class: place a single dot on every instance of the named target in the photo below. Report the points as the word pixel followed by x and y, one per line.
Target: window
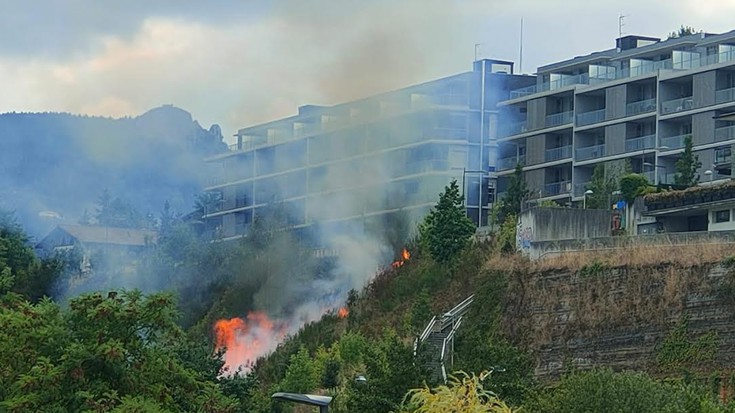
pixel 722 216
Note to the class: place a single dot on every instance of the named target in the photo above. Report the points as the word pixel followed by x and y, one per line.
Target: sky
pixel 239 63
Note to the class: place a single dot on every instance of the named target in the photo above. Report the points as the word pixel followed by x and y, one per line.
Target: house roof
pixel 110 235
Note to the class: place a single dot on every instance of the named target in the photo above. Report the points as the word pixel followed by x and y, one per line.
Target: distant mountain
pixel 53 166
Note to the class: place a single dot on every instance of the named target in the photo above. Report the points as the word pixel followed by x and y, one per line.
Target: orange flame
pixel 343 312
pixel 405 255
pixel 244 341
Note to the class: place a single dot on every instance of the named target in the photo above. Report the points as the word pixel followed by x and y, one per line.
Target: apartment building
pixel 636 102
pixel 359 161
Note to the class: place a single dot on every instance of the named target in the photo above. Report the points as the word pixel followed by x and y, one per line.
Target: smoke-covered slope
pixel 52 163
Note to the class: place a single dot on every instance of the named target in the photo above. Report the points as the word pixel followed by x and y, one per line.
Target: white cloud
pixel 240 72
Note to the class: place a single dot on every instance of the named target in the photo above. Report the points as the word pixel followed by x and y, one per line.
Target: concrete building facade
pixel 636 102
pixel 362 160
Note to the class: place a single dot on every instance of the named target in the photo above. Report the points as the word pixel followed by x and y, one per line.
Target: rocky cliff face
pixel 660 318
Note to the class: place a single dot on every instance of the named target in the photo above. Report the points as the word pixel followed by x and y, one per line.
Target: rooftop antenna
pixel 477 46
pixel 621 23
pixel 520 52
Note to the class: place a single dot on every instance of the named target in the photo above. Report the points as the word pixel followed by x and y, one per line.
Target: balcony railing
pixel 558 119
pixel 641 143
pixel 505 164
pixel 589 152
pixel 580 188
pixel 677 105
pixel 513 128
pixel 524 91
pixel 562 152
pixel 674 142
pixel 641 106
pixel 725 134
pixel 650 176
pixel 581 79
pixel 588 118
pixel 643 68
pixel 725 95
pixel 556 188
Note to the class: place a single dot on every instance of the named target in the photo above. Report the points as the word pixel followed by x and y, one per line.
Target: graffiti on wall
pixel 524 236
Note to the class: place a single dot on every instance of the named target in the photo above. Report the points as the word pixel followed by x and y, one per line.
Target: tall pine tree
pixel 687 166
pixel 447 229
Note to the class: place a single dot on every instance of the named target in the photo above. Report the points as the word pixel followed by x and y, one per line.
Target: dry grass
pixel 639 256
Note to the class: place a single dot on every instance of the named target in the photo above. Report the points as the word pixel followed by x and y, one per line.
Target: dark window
pixel 722 216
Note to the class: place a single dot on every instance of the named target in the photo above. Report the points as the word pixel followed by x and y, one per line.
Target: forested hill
pixel 57 164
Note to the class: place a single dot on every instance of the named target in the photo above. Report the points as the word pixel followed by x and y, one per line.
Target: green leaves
pixel 632 186
pixel 687 165
pixel 446 230
pixel 117 352
pixel 515 195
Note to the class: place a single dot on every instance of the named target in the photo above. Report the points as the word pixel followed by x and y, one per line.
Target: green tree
pixel 113 352
pixel 687 165
pixel 632 186
pixel 683 31
pixel 301 375
pixel 391 371
pixel 515 195
pixel 117 212
pixel 603 391
pixel 446 230
pixel 603 183
pixel 507 234
pixel 21 271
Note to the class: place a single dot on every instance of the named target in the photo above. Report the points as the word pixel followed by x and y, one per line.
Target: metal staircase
pixel 437 339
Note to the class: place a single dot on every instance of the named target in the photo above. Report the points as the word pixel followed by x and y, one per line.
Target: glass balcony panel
pixel 641 106
pixel 674 142
pixel 558 119
pixel 640 143
pixel 556 188
pixel 677 105
pixel 725 95
pixel 589 152
pixel 513 128
pixel 725 134
pixel 588 118
pixel 524 91
pixel 555 154
pixel 505 164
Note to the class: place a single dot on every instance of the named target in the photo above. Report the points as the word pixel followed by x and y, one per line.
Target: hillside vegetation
pixel 647 329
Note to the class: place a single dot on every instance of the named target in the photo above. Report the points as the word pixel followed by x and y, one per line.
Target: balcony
pixel 643 67
pixel 581 188
pixel 589 152
pixel 558 119
pixel 588 118
pixel 556 188
pixel 524 91
pixel 641 143
pixel 725 95
pixel 513 128
pixel 555 154
pixel 677 105
pixel 565 80
pixel 675 142
pixel 641 106
pixel 505 164
pixel 725 134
